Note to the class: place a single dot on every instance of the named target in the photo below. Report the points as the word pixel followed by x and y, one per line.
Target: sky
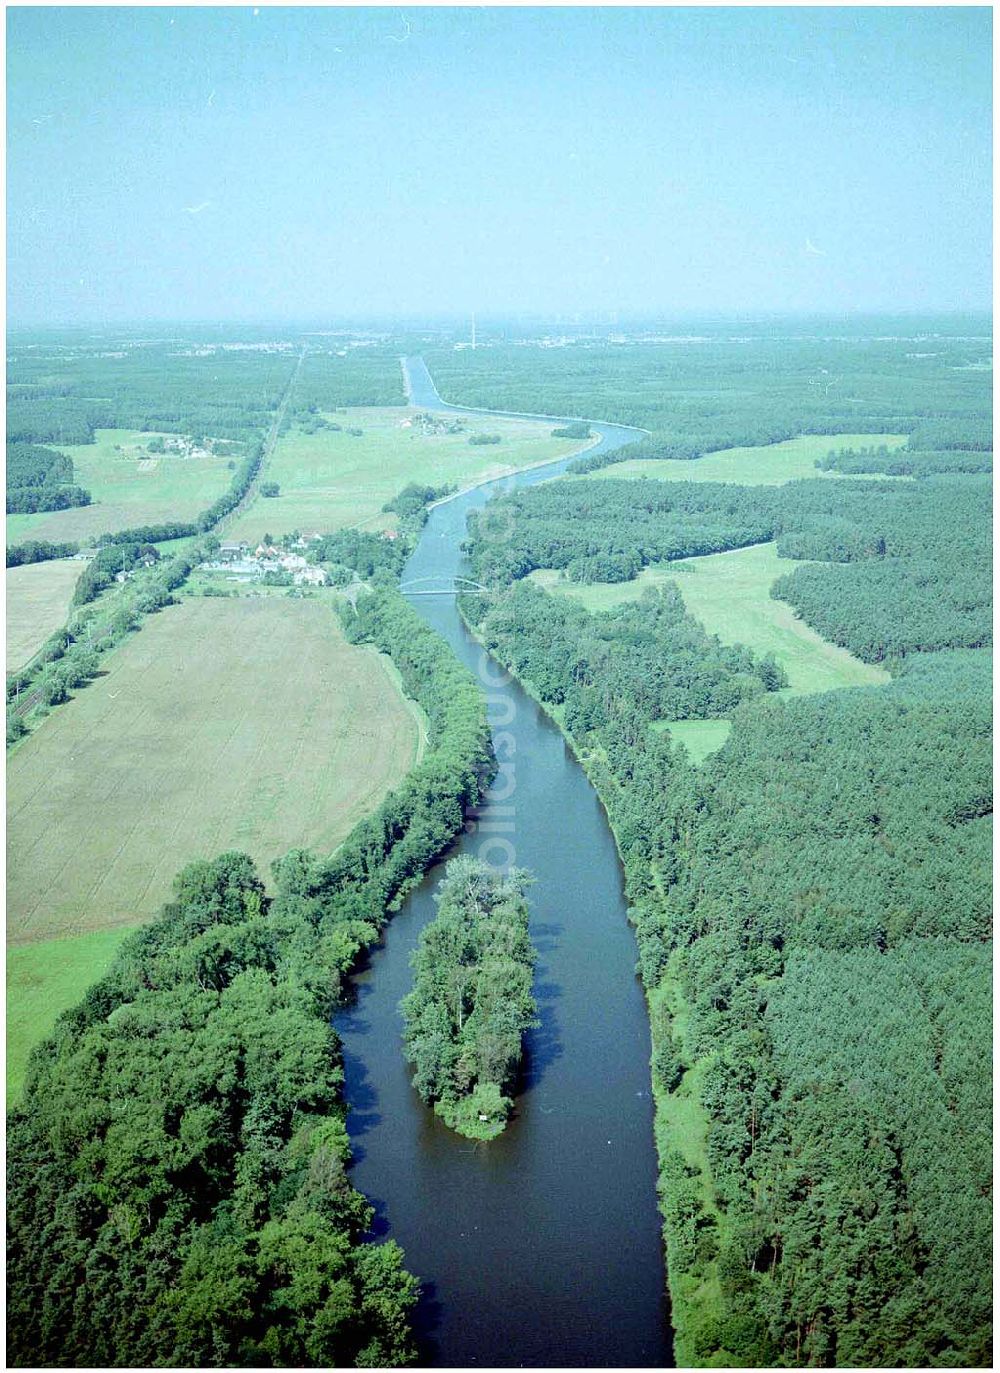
pixel 290 163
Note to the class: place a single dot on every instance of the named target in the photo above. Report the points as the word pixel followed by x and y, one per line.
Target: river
pixel 542 1247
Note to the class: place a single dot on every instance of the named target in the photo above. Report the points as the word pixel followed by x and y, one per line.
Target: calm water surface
pixel 541 1247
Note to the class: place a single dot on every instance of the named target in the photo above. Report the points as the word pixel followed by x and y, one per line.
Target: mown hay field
pixel 247 724
pixel 38 597
pixel 330 480
pixel 127 488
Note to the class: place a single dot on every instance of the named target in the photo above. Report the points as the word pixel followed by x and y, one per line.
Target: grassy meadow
pixel 701 738
pixel 771 465
pixel 244 723
pixel 331 480
pixel 126 489
pixel 43 980
pixel 38 597
pixel 730 594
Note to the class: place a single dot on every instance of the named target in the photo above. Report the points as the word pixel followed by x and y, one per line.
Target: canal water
pixel 542 1247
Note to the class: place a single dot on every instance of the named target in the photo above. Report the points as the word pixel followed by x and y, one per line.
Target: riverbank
pixel 680 1122
pixel 555 1218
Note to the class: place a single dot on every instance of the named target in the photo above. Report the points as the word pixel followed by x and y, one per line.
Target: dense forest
pixel 826 931
pixel 912 564
pixel 916 556
pixel 356 376
pixel 57 395
pixel 60 394
pixel 30 464
pixel 411 505
pixel 609 531
pixel 177 1188
pixel 723 390
pixel 471 1000
pixel 812 904
pixel 645 660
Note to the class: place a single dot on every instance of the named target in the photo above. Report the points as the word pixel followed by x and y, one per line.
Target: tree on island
pixel 471 1000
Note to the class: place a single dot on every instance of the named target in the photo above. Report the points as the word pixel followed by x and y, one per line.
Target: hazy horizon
pixel 295 166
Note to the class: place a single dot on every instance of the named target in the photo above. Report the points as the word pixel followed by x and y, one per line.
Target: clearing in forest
pixel 128 487
pixel 730 594
pixel 38 597
pixel 770 465
pixel 332 479
pixel 225 724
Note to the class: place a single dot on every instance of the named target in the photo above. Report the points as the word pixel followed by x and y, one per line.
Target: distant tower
pixel 473 331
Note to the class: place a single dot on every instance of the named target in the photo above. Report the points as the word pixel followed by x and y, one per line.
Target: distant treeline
pixel 700 395
pixel 471 1000
pixel 38 551
pixel 904 462
pixel 63 395
pixel 40 479
pixel 363 376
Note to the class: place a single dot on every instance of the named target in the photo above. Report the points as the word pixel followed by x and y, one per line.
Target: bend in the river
pixel 543 1246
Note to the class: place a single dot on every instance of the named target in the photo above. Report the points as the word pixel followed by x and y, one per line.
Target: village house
pixel 310 576
pixel 229 551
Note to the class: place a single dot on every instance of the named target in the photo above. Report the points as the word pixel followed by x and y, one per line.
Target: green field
pixel 43 980
pixel 730 594
pixel 126 489
pixel 248 724
pixel 701 738
pixel 331 480
pixel 38 597
pixel 771 465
